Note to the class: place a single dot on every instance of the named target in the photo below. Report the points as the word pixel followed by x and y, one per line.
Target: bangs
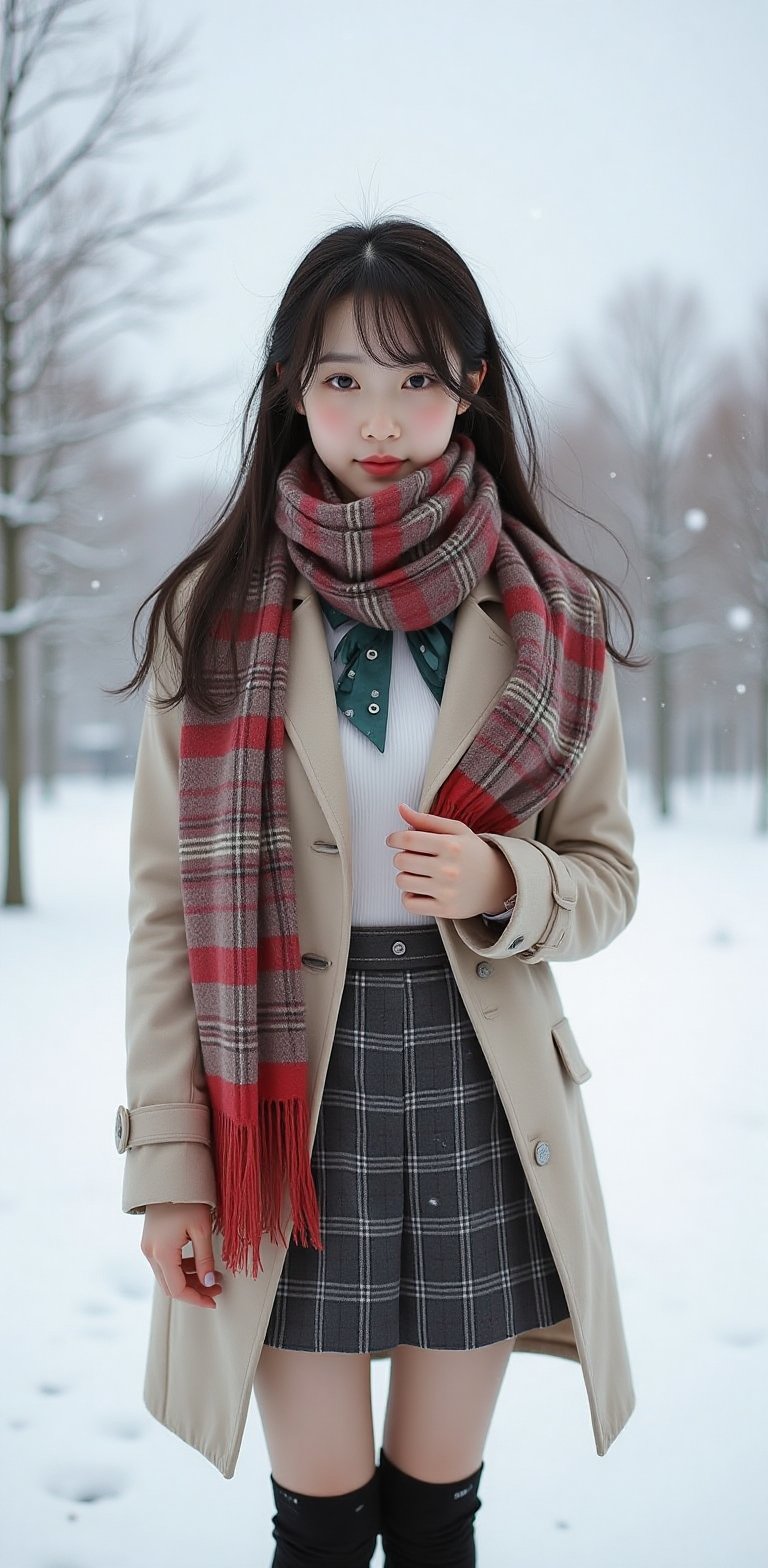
pixel 396 326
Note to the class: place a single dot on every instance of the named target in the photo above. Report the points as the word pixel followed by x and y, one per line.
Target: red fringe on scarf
pixel 252 1162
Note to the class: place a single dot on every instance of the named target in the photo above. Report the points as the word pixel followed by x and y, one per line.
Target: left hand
pixel 446 869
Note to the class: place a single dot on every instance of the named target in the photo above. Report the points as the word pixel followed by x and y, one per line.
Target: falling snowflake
pixel 695 519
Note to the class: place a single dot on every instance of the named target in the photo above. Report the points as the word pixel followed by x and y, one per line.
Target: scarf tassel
pixel 252 1161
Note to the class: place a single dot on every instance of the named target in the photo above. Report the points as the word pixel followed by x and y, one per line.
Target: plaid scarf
pixel 403 557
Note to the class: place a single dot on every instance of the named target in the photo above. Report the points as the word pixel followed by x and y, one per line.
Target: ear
pixel 278 368
pixel 477 378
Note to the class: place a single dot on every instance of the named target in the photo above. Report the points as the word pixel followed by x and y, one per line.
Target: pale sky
pixel 563 148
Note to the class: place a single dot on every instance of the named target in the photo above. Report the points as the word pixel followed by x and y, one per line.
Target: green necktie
pixel 362 689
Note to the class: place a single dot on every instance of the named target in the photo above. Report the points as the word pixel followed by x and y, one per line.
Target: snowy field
pixel 671 1020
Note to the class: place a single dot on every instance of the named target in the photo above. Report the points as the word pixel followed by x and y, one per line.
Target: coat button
pixel 483 969
pixel 541 1153
pixel 398 947
pixel 122 1128
pixel 373 707
pixel 371 653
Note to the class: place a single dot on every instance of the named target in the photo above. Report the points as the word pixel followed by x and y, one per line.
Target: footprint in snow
pixel 122 1426
pixel 741 1339
pixel 85 1483
pixel 131 1284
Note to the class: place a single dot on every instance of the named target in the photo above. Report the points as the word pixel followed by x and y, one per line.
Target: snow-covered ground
pixel 671 1019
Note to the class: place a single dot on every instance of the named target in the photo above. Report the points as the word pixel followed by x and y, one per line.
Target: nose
pixel 380 426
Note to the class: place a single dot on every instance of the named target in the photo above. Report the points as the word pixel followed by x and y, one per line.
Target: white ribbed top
pixel 378 781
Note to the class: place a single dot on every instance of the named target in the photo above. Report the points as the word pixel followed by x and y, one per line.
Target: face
pixel 357 409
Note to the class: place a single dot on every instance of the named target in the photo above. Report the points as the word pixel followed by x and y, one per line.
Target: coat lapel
pixel 482 657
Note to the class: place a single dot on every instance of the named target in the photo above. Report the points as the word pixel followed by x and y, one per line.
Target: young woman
pixel 380 786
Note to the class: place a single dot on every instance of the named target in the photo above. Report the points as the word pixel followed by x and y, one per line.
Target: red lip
pixel 379 465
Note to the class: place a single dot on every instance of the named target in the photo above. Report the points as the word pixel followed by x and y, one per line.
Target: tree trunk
pixel 12 724
pixel 47 714
pixel 762 748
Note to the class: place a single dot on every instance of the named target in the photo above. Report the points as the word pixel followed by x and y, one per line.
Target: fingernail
pixel 210 1279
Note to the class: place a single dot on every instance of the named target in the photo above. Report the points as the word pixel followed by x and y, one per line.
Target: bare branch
pixel 29 55
pixel 74 433
pixel 139 73
pixel 77 552
pixel 102 239
pixel 22 122
pixel 17 511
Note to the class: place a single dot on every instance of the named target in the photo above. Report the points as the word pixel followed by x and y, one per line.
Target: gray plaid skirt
pixel 430 1234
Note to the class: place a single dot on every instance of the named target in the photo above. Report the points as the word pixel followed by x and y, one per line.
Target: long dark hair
pixel 393 270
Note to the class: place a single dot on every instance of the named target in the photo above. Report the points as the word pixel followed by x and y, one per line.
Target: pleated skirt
pixel 430 1233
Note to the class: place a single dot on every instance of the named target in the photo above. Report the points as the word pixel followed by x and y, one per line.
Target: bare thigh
pixel 318 1423
pixel 439 1408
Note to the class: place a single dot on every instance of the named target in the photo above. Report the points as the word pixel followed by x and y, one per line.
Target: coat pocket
pixel 565 1040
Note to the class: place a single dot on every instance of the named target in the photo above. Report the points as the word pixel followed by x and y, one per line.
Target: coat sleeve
pixel 167 1113
pixel 577 880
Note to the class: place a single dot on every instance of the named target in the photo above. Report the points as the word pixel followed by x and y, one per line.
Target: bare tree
pixel 650 395
pixel 742 441
pixel 67 232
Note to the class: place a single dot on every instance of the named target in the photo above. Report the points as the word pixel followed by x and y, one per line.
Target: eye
pixel 342 375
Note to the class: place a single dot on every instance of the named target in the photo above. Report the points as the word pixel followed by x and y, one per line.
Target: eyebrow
pixel 355 359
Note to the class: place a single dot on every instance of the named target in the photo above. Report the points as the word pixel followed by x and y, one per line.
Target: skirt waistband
pixel 396 947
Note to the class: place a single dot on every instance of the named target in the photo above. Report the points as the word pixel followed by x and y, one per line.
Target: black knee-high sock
pixel 326 1532
pixel 427 1524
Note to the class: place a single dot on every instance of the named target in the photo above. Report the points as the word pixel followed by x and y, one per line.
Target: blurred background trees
pixel 71 543
pixel 659 438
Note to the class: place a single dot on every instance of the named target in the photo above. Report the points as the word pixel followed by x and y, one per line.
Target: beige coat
pixel 578 885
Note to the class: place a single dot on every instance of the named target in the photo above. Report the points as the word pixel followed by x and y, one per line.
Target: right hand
pixel 167 1228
